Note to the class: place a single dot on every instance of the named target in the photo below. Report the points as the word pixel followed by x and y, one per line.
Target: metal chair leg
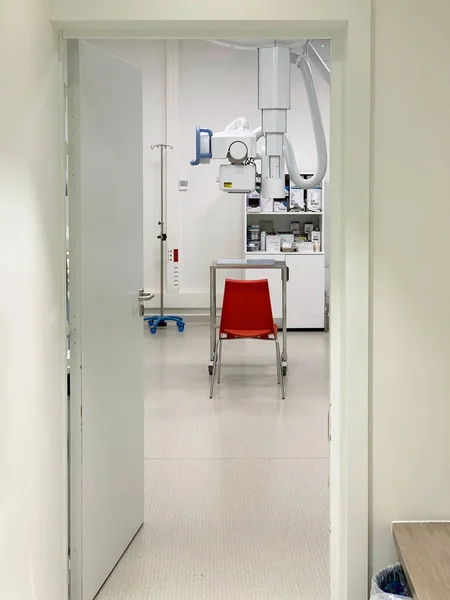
pixel 283 395
pixel 219 344
pixel 213 376
pixel 279 375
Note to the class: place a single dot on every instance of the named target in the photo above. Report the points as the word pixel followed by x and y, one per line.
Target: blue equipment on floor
pixel 161 319
pixel 155 322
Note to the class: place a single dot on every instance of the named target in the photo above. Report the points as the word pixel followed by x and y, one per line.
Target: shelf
pixel 286 213
pixel 284 253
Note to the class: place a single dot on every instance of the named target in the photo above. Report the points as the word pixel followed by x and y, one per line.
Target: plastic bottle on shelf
pixel 263 241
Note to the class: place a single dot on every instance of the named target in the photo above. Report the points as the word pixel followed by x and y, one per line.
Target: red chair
pixel 246 313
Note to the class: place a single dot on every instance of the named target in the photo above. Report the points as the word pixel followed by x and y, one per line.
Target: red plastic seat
pixel 246 313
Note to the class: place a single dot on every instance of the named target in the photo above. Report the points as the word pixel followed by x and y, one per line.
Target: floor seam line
pixel 241 458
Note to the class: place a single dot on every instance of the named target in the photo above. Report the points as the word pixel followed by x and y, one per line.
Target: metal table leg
pixel 284 280
pixel 212 317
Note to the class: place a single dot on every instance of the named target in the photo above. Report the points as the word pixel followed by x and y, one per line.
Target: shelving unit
pixel 306 288
pixel 284 253
pixel 283 214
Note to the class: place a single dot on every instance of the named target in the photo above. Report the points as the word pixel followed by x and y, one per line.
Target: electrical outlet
pixel 172 255
pixel 172 270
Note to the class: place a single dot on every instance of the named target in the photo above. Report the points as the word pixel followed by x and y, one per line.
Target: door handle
pixel 145 296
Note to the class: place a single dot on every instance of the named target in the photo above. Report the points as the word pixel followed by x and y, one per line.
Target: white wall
pixel 215 85
pixel 33 497
pixel 142 14
pixel 214 88
pixel 410 267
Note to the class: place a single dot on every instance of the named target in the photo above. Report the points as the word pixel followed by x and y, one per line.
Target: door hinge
pixel 66 90
pixel 329 424
pixel 69 577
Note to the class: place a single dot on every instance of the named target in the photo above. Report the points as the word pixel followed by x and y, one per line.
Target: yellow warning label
pixel 227 184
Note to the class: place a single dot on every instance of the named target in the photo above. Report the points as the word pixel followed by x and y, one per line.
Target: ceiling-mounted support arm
pixel 315 60
pixel 321 145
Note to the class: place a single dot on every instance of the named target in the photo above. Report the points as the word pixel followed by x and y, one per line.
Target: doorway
pixel 201 575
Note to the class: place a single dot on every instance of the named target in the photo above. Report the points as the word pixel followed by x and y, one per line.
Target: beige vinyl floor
pixel 236 504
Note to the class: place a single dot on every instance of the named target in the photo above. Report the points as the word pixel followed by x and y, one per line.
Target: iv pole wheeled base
pixel 155 322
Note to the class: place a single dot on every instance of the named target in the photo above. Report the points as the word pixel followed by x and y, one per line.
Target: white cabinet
pixel 306 287
pixel 306 291
pixel 274 278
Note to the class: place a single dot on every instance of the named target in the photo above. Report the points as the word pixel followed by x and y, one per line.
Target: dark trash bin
pixel 390 584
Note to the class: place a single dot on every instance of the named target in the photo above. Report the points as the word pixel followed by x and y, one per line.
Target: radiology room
pixel 198 227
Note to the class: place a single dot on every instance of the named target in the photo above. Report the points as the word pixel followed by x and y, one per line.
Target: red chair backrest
pixel 246 306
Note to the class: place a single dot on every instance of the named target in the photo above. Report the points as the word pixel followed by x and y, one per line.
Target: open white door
pixel 106 270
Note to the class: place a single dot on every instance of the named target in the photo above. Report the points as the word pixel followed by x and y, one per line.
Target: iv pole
pixel 161 319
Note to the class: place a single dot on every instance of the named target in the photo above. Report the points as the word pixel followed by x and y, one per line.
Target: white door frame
pixel 349 185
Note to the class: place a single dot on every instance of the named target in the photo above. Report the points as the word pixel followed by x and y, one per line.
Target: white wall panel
pixel 33 469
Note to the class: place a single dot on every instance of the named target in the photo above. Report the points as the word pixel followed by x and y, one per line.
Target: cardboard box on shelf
pixel 314 200
pixel 279 206
pixel 297 199
pixel 316 237
pixel 305 247
pixel 286 236
pixel 273 244
pixel 253 202
pixel 309 228
pixel 295 227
